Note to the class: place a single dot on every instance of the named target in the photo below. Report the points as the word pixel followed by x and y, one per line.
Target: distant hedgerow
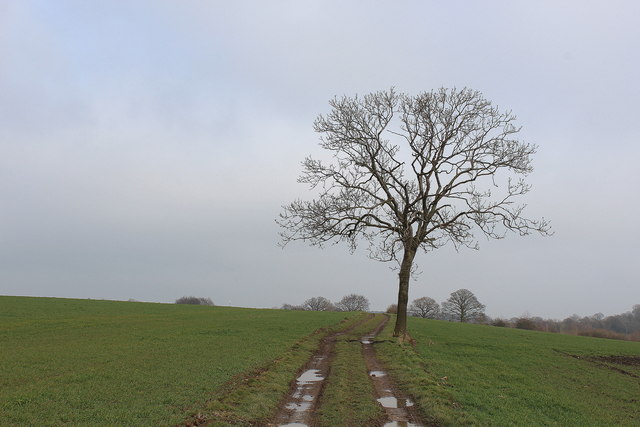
pixel 194 301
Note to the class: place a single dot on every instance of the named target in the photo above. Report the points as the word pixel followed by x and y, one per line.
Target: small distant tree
pixel 353 302
pixel 392 309
pixel 194 301
pixel 318 304
pixel 463 306
pixel 424 307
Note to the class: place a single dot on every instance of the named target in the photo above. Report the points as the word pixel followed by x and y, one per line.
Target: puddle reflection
pixel 366 340
pixel 304 406
pixel 392 402
pixel 310 376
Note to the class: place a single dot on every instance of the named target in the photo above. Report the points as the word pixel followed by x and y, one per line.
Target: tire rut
pixel 299 407
pixel 398 407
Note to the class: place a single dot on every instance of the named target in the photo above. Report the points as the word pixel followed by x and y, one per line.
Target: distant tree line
pixel 351 302
pixel 625 326
pixel 463 306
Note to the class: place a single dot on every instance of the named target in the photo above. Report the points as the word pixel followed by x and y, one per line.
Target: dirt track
pixel 299 408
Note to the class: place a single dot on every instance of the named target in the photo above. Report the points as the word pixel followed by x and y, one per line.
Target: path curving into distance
pixel 299 407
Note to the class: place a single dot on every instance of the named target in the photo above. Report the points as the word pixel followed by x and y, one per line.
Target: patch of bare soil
pixel 300 405
pixel 609 362
pixel 619 360
pixel 399 408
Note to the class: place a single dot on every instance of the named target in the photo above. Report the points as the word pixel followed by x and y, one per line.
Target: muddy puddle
pixel 367 340
pixel 299 406
pixel 310 376
pixel 394 402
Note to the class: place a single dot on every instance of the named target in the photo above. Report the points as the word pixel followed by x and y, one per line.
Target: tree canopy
pixel 318 304
pixel 411 172
pixel 424 307
pixel 353 302
pixel 463 306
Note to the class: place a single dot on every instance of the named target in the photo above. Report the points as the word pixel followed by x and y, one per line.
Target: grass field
pixel 462 374
pixel 126 363
pixel 85 362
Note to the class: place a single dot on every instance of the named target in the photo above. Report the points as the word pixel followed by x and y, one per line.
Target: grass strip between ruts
pixel 348 396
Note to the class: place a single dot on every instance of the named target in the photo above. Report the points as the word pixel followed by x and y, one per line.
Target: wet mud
pixel 397 406
pixel 619 360
pixel 299 407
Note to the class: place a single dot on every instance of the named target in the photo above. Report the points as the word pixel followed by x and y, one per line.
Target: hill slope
pixel 106 362
pixel 476 374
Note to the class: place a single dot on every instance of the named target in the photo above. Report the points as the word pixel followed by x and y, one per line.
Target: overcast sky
pixel 146 147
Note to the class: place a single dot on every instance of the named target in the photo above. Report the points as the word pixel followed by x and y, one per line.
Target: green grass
pixel 122 363
pixel 252 399
pixel 126 363
pixel 481 375
pixel 348 397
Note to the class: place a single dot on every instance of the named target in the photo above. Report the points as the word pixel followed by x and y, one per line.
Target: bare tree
pixel 463 305
pixel 353 302
pixel 318 304
pixel 454 177
pixel 424 307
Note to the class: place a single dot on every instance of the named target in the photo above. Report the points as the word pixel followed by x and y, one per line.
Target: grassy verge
pixel 473 374
pixel 434 402
pixel 251 399
pixel 125 363
pixel 347 399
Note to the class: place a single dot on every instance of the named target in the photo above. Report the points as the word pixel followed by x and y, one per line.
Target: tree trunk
pixel 403 291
